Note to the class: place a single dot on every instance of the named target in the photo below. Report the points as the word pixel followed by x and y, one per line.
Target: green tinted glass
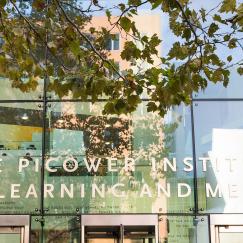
pixel 89 167
pixel 20 157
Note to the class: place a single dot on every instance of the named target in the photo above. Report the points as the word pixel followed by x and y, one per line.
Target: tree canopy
pixel 55 40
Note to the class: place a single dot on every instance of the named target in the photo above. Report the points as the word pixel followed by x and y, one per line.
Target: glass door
pixel 102 234
pixel 12 234
pixel 139 234
pixel 232 234
pixel 119 229
pixel 226 228
pixel 120 234
pixel 14 229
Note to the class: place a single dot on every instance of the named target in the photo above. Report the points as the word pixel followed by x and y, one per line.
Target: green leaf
pixel 215 59
pixel 50 70
pixel 133 100
pixel 217 75
pixel 120 106
pixel 3 3
pixel 126 23
pixel 240 70
pixel 122 6
pixel 226 37
pixel 151 106
pixel 203 14
pixel 226 74
pixel 228 6
pixel 229 58
pixel 60 72
pixel 75 47
pixel 212 29
pixel 156 3
pixel 108 14
pixel 187 34
pixel 232 43
pixel 134 2
pixel 177 51
pixel 38 71
pixel 39 5
pixel 130 51
pixel 218 18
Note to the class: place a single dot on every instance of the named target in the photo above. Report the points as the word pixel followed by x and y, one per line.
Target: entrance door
pixel 139 234
pixel 12 234
pixel 226 228
pixel 102 234
pixel 119 229
pixel 14 229
pixel 232 234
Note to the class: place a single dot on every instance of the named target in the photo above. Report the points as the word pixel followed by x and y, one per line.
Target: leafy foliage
pixel 56 41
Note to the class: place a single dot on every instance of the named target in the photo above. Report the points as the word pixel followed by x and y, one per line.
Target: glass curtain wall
pixel 61 158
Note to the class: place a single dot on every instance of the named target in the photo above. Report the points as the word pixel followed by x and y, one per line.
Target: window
pixel 112 73
pixel 113 42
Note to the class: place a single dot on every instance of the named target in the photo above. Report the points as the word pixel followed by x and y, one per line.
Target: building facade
pixel 71 174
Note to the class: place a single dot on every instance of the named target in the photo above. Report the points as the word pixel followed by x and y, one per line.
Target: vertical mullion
pixel 209 229
pixel 43 146
pixel 44 115
pixel 194 162
pixel 121 240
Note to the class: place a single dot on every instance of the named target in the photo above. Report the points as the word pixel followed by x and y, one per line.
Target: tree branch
pixel 89 42
pixel 192 29
pixel 38 34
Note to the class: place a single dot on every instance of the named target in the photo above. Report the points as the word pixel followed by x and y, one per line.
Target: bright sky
pixel 167 37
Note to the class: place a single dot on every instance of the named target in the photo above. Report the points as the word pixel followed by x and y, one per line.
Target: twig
pixel 38 34
pixel 89 42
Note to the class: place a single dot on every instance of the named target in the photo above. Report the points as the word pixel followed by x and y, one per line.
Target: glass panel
pixel 233 90
pixel 55 229
pixel 31 92
pixel 219 136
pixel 102 234
pixel 116 42
pixel 139 234
pixel 147 24
pixel 113 234
pixel 80 137
pixel 109 44
pixel 10 234
pixel 20 157
pixel 183 229
pixel 231 237
pixel 112 42
pixel 26 79
pixel 232 234
pixel 13 238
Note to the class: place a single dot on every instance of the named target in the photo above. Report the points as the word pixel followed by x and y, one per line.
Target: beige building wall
pixel 147 23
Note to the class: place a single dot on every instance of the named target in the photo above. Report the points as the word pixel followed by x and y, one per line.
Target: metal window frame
pixel 22 221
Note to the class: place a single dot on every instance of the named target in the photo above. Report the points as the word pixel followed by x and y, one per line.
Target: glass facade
pixel 62 160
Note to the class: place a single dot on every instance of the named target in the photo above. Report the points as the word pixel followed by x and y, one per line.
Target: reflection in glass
pixel 102 234
pixel 233 90
pixel 11 234
pixel 91 159
pixel 27 92
pixel 20 157
pixel 117 234
pixel 139 234
pixel 232 234
pixel 59 229
pixel 183 229
pixel 219 136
